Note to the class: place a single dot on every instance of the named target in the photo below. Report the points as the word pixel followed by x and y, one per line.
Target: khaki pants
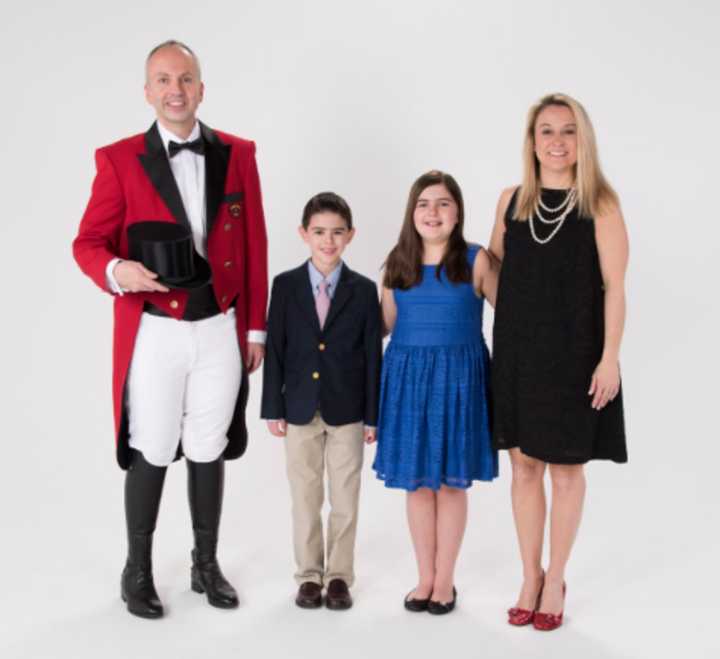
pixel 309 449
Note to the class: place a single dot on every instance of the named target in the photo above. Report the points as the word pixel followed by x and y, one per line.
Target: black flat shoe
pixel 416 605
pixel 441 608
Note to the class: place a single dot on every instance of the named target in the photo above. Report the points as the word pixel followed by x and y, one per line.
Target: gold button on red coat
pixel 235 210
pixel 227 226
pixel 174 304
pixel 223 299
pixel 227 264
pixel 316 375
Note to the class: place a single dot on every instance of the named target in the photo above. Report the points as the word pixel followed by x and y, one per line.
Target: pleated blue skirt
pixel 434 423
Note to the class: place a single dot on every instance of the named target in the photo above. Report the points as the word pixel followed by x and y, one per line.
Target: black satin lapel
pixel 305 298
pixel 157 166
pixel 342 295
pixel 217 157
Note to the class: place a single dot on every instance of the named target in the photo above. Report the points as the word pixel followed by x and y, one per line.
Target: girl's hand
pixel 605 384
pixel 277 428
pixel 370 435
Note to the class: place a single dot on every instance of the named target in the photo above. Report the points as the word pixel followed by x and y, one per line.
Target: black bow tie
pixel 196 146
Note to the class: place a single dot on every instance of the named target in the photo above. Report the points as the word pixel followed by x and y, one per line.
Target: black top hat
pixel 167 249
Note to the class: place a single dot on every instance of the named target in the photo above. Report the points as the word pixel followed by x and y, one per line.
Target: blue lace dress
pixel 434 425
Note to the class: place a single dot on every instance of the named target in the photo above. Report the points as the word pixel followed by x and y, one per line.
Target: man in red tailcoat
pixel 181 352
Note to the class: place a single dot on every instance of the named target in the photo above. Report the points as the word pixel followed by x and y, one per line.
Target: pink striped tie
pixel 322 302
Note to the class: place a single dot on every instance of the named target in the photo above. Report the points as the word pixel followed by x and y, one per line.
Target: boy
pixel 320 391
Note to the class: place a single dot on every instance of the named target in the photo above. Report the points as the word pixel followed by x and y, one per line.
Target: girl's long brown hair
pixel 403 267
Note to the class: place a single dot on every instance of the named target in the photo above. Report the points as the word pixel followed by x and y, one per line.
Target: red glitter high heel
pixel 521 617
pixel 546 622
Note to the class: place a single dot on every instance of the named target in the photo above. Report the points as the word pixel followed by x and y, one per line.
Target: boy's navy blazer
pixel 335 370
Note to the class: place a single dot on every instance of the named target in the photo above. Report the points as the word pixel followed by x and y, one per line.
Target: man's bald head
pixel 174 43
pixel 173 86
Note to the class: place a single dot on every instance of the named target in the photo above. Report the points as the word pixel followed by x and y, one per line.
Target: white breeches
pixel 182 386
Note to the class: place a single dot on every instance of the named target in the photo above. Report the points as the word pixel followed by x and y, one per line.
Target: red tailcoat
pixel 134 183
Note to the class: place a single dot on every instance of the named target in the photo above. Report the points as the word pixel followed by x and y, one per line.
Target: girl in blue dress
pixel 434 427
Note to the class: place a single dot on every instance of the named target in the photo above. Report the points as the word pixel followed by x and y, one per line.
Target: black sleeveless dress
pixel 547 341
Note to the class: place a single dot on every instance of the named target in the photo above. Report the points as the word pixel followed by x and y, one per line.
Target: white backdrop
pixel 360 98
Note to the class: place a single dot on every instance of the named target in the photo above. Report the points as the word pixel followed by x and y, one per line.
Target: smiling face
pixel 555 138
pixel 436 214
pixel 173 87
pixel 327 235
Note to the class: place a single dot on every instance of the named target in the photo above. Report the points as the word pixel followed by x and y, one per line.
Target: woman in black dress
pixel 559 320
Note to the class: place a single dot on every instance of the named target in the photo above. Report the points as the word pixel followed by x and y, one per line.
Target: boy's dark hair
pixel 327 202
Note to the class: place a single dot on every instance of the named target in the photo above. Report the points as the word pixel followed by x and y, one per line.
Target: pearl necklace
pixel 570 194
pixel 568 203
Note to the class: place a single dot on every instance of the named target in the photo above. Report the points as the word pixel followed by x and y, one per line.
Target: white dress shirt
pixel 188 168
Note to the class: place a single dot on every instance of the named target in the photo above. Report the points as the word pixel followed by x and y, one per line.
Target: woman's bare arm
pixel 496 248
pixel 485 276
pixel 612 245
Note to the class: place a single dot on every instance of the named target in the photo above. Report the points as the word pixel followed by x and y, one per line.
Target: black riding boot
pixel 143 487
pixel 205 491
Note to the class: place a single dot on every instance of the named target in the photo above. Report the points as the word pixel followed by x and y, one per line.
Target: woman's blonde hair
pixel 594 192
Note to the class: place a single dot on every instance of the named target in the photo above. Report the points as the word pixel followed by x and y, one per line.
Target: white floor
pixel 640 583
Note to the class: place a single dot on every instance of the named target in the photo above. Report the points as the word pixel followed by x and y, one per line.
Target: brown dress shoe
pixel 338 595
pixel 309 595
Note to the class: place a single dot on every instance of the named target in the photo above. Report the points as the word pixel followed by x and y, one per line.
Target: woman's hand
pixel 605 384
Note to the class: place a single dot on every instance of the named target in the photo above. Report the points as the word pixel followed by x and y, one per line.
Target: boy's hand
pixel 370 434
pixel 277 428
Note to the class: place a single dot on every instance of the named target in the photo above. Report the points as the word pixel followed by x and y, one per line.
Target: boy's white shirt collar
pixel 316 277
